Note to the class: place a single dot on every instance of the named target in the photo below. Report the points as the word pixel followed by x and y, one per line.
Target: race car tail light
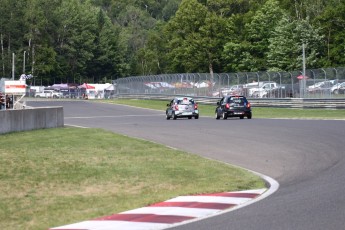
pixel 176 107
pixel 248 105
pixel 227 105
pixel 196 106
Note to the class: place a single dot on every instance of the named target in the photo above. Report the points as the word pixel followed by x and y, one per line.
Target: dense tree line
pixel 100 40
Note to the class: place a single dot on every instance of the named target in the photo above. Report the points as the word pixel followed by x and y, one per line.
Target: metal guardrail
pixel 307 103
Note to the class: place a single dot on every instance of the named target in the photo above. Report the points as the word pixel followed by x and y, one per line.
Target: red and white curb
pixel 169 213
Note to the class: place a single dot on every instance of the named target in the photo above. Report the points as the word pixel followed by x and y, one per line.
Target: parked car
pixel 233 90
pixel 264 90
pixel 338 88
pixel 182 107
pixel 47 93
pixel 233 106
pixel 321 87
pixel 204 84
pixel 183 84
pixel 69 93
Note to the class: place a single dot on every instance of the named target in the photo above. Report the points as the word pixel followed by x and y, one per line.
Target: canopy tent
pixel 86 86
pixel 109 91
pixel 59 86
pixel 64 86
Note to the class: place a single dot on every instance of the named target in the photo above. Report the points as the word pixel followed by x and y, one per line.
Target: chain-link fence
pixel 315 83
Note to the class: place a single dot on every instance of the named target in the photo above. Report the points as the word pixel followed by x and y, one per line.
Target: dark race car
pixel 233 106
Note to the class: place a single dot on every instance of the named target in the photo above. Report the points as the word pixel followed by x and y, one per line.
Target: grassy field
pixel 54 177
pixel 208 110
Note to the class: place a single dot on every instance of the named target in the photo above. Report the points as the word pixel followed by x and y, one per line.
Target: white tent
pixel 110 88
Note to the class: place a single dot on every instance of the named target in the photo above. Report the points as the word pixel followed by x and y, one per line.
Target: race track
pixel 306 157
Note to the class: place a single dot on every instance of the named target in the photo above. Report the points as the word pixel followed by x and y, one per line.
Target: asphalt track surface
pixel 306 157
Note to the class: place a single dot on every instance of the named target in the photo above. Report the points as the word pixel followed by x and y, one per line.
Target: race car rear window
pixel 185 101
pixel 237 100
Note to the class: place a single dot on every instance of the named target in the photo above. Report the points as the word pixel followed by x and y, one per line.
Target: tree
pixel 151 57
pixel 98 40
pixel 39 18
pixel 259 31
pixel 285 49
pixel 170 9
pixel 249 53
pixel 136 25
pixel 109 57
pixel 332 22
pixel 302 9
pixel 76 36
pixel 227 8
pixel 184 36
pixel 196 39
pixel 11 32
pixel 213 34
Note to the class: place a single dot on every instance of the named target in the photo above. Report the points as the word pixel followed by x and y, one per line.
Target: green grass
pixel 299 113
pixel 208 110
pixel 54 177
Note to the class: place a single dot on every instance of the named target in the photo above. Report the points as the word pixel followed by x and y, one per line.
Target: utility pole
pixel 24 62
pixel 13 69
pixel 304 77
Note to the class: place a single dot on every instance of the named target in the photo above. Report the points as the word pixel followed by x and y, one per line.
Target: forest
pixel 96 41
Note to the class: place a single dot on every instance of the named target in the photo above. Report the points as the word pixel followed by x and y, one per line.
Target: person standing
pixel 2 101
pixel 8 101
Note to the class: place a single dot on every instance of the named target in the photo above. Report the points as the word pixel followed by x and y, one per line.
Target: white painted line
pixel 77 126
pixel 112 225
pixel 256 191
pixel 149 115
pixel 211 199
pixel 176 211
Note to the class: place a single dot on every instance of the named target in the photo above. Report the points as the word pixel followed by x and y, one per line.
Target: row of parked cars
pixel 228 106
pixel 269 89
pixel 328 87
pixel 256 89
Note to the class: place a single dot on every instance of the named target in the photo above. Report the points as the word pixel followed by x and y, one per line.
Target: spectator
pixel 8 101
pixel 2 101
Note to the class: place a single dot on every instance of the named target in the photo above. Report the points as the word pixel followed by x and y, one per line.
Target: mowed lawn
pixel 54 177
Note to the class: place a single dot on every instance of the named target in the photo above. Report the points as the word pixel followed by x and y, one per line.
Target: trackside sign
pixel 13 87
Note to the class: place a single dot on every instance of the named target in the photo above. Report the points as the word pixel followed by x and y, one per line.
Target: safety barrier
pixel 17 120
pixel 334 103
